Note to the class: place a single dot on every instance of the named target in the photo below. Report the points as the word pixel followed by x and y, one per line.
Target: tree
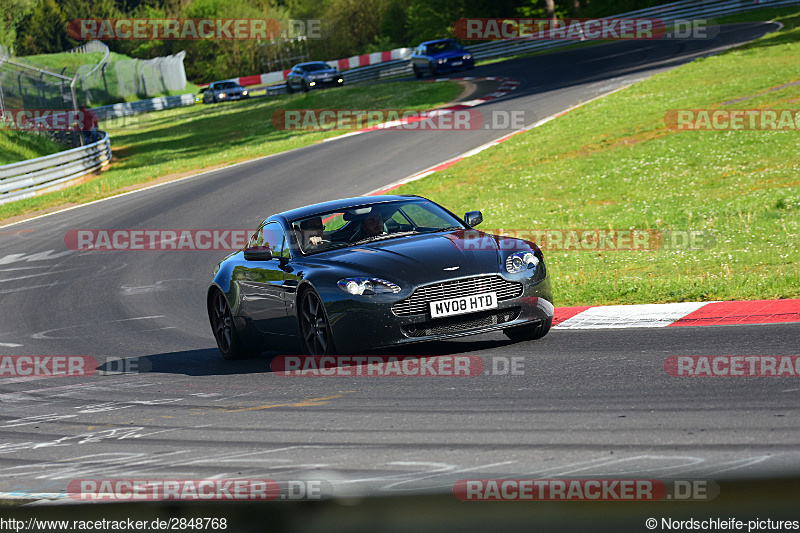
pixel 43 31
pixel 12 12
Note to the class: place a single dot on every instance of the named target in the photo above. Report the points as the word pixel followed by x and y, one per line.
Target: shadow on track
pixel 209 362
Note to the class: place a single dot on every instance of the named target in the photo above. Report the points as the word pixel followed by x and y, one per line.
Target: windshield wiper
pixel 385 236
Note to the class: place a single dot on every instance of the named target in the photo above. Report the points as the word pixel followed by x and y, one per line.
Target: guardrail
pixel 52 172
pixel 143 106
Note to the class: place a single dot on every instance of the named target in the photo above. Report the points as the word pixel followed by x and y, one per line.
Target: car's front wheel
pixel 529 333
pixel 228 341
pixel 289 89
pixel 314 326
pixel 417 72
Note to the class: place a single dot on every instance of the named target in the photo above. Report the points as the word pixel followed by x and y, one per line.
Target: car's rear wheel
pixel 529 333
pixel 314 326
pixel 289 89
pixel 228 341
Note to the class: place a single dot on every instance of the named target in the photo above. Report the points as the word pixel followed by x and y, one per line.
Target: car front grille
pixel 457 324
pixel 420 299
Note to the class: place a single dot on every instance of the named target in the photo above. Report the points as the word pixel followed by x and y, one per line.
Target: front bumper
pixel 321 83
pixel 449 66
pixel 365 324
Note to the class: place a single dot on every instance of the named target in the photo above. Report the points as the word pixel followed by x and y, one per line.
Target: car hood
pixel 448 54
pixel 322 73
pixel 420 259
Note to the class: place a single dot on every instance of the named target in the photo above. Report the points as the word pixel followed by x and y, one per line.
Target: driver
pixel 312 229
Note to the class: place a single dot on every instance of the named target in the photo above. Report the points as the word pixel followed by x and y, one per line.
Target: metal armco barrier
pixel 26 178
pixel 143 106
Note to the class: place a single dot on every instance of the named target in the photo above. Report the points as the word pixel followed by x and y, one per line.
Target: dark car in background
pixel 442 55
pixel 361 273
pixel 312 75
pixel 223 91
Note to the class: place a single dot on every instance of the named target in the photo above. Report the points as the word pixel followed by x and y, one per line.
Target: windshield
pixel 316 66
pixel 226 85
pixel 443 47
pixel 350 227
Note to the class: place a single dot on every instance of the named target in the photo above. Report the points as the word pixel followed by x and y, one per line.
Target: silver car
pixel 313 75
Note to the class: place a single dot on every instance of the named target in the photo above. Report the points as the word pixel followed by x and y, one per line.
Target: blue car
pixel 312 75
pixel 433 57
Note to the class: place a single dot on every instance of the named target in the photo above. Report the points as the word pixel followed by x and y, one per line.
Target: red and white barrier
pixel 364 60
pixel 678 314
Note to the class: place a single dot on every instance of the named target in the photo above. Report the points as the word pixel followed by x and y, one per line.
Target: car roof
pixel 344 203
pixel 312 63
pixel 438 41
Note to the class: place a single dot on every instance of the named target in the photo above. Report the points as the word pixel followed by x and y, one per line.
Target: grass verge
pixel 18 146
pixel 614 164
pixel 179 141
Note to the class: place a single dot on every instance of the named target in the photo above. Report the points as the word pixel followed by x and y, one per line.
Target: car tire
pixel 529 333
pixel 315 332
pixel 306 88
pixel 432 69
pixel 228 341
pixel 289 89
pixel 417 72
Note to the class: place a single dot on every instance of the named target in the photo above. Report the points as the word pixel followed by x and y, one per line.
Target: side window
pixel 271 235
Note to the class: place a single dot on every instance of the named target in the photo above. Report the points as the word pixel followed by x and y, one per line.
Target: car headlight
pixel 440 61
pixel 244 93
pixel 221 95
pixel 360 286
pixel 312 84
pixel 340 80
pixel 467 56
pixel 521 261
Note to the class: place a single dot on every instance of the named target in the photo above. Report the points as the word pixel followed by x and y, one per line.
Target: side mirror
pixel 473 218
pixel 258 253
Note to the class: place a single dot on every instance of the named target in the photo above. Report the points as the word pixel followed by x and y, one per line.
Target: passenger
pixel 372 225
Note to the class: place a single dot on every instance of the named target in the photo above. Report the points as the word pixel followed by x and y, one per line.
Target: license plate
pixel 457 63
pixel 463 304
pixel 327 79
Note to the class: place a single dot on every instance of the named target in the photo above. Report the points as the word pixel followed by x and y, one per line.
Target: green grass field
pixel 614 164
pixel 190 139
pixel 18 146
